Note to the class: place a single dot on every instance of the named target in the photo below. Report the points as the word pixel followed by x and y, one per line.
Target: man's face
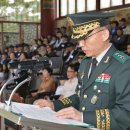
pixel 71 73
pixel 93 45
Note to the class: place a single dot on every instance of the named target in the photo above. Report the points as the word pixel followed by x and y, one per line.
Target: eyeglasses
pixel 80 57
pixel 70 71
pixel 92 34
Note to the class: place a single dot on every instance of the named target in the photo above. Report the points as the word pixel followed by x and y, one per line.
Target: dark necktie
pixel 93 66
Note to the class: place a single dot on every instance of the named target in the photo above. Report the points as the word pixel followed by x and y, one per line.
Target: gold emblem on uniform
pixel 82 75
pixel 94 99
pixel 107 59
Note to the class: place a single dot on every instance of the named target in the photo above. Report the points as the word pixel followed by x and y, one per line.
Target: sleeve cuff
pixel 89 117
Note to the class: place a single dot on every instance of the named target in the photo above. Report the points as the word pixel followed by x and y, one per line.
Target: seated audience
pixel 72 82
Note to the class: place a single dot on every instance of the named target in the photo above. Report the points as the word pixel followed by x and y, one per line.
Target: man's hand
pixel 44 103
pixel 70 113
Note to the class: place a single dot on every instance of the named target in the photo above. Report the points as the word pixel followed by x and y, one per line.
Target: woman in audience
pixel 47 84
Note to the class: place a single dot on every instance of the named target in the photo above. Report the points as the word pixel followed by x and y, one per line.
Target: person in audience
pixel 39 42
pixel 122 23
pixel 102 96
pixel 50 51
pixel 10 49
pixel 70 85
pixel 65 40
pixel 23 56
pixel 119 39
pixel 63 30
pixel 72 53
pixel 34 45
pixel 62 79
pixel 12 57
pixel 114 27
pixel 16 50
pixel 45 41
pixel 56 30
pixel 127 29
pixel 27 50
pixel 53 40
pixel 4 58
pixel 1 74
pixel 78 61
pixel 59 40
pixel 5 73
pixel 20 49
pixel 128 49
pixel 48 82
pixel 42 50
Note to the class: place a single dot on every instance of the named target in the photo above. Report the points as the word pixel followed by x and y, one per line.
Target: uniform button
pixel 85 96
pixel 79 86
pixel 95 87
pixel 99 91
pixel 83 108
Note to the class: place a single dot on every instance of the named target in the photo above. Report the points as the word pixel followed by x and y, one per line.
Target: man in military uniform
pixel 103 93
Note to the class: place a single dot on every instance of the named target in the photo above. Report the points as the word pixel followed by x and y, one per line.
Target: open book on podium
pixel 32 115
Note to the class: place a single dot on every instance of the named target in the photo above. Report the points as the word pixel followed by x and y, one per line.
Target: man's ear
pixel 105 35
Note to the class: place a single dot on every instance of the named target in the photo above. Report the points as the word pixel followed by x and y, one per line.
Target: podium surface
pixel 21 120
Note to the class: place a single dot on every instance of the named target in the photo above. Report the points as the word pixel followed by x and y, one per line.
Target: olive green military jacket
pixel 104 99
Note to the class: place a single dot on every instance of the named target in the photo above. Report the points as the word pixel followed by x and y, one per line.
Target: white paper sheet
pixel 44 114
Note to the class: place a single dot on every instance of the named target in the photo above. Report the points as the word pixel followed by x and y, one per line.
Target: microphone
pixel 2 105
pixel 8 105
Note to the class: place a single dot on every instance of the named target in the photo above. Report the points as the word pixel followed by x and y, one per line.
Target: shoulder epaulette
pixel 121 57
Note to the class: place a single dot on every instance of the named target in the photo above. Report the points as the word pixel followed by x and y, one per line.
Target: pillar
pixel 48 16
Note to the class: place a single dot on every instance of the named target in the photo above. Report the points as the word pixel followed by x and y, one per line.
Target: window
pixel 116 2
pixel 57 7
pixel 91 5
pixel 127 1
pixel 105 4
pixel 63 7
pixel 80 6
pixel 71 6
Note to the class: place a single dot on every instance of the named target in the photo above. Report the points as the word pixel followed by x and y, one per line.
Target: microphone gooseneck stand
pixel 8 106
pixel 2 105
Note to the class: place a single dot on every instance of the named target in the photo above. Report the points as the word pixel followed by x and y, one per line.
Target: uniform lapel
pixel 103 65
